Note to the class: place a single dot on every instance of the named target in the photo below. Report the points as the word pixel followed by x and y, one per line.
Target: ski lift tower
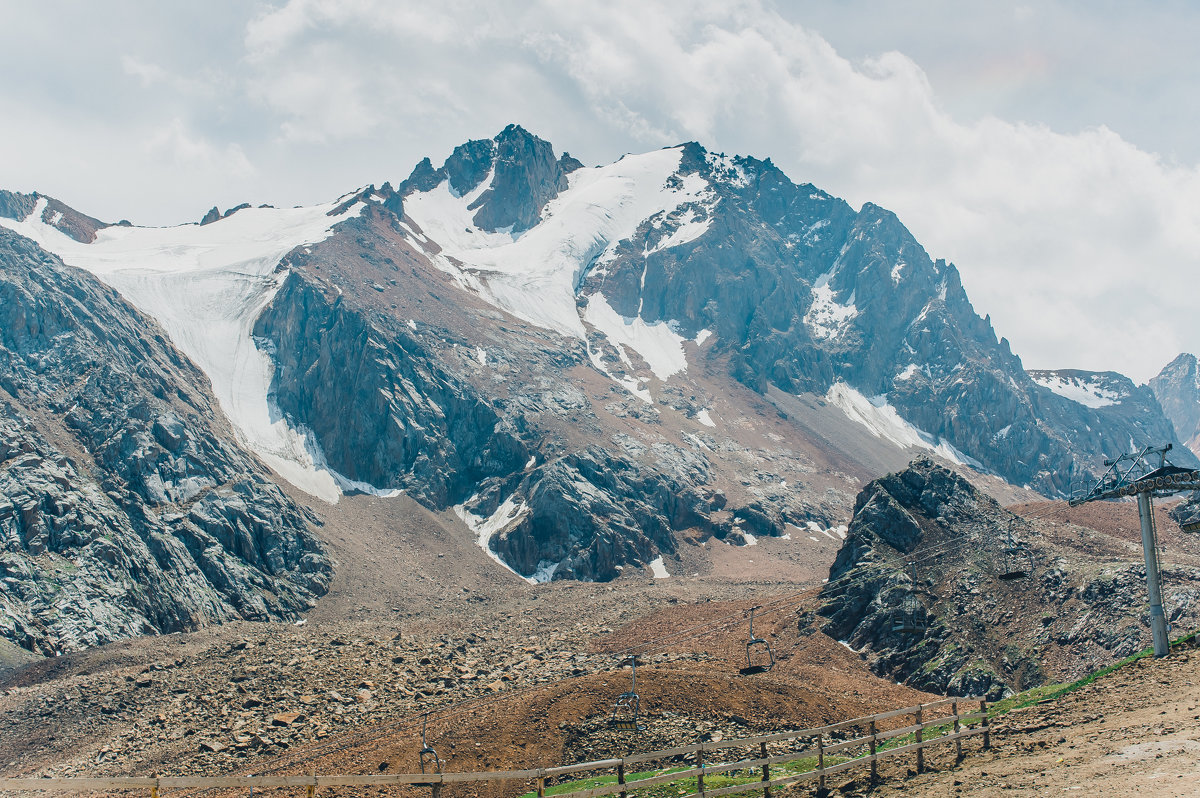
pixel 1144 474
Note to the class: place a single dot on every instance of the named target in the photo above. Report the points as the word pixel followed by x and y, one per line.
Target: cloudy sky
pixel 1048 149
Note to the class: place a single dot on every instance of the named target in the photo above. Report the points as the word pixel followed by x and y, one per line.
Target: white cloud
pixel 1081 246
pixel 176 144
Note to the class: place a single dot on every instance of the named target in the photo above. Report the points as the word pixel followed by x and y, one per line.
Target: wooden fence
pixel 865 749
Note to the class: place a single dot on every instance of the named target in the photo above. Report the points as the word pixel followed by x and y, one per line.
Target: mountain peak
pixel 524 176
pixel 1177 388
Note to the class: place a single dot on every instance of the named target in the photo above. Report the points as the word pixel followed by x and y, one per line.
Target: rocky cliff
pixel 1177 388
pixel 124 506
pixel 926 535
pixel 384 411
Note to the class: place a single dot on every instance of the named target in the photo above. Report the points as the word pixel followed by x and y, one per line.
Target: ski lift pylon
pixel 626 709
pixel 757 663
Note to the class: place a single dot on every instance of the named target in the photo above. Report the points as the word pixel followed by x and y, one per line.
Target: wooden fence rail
pixel 959 724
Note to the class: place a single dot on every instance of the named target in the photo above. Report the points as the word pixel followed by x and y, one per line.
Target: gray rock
pixel 153 523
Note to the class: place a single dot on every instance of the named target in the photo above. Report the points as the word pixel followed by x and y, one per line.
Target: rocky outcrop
pixel 524 177
pixel 384 412
pixel 1177 388
pixel 591 513
pixel 924 545
pixel 123 508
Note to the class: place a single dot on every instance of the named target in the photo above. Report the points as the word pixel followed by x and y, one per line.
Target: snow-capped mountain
pixel 592 366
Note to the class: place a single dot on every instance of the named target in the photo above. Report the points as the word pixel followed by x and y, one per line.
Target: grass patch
pixel 688 785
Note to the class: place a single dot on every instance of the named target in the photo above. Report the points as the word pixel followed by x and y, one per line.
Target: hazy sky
pixel 1048 149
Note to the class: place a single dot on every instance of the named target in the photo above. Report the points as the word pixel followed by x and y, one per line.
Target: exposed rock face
pixel 467 409
pixel 123 510
pixel 1103 412
pixel 590 513
pixel 382 409
pixel 1177 388
pixel 525 176
pixel 985 635
pixel 801 291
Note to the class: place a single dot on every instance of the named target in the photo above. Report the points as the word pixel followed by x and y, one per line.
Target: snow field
pixel 1084 392
pixel 534 274
pixel 206 285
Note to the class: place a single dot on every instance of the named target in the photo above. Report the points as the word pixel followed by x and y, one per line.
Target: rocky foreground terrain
pixel 1127 731
pixel 517 675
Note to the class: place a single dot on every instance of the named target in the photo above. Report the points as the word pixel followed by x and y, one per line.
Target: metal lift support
pixel 1133 475
pixel 428 757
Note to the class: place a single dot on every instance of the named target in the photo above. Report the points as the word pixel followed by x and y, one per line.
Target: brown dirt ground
pixel 1135 730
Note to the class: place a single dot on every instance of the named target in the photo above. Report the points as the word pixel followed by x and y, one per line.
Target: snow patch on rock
pixel 659 345
pixel 882 421
pixel 1087 392
pixel 508 513
pixel 827 318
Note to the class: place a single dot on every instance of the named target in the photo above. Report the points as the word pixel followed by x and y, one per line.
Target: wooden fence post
pixel 621 777
pixel 958 757
pixel 920 738
pixel 700 764
pixel 987 736
pixel 874 764
pixel 436 789
pixel 541 787
pixel 766 769
pixel 820 765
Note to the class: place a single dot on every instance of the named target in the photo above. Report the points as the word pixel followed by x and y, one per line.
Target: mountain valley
pixel 274 485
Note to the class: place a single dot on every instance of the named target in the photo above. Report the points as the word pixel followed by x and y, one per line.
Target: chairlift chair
pixel 1016 560
pixel 909 618
pixel 764 659
pixel 428 757
pixel 1016 563
pixel 626 709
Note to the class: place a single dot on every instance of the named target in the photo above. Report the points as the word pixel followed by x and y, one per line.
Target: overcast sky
pixel 1048 149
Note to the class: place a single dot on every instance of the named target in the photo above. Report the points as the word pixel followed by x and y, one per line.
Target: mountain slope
pixel 123 508
pixel 594 366
pixel 1177 388
pixel 799 291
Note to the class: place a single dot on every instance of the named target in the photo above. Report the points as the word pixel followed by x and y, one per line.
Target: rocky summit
pixel 1177 388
